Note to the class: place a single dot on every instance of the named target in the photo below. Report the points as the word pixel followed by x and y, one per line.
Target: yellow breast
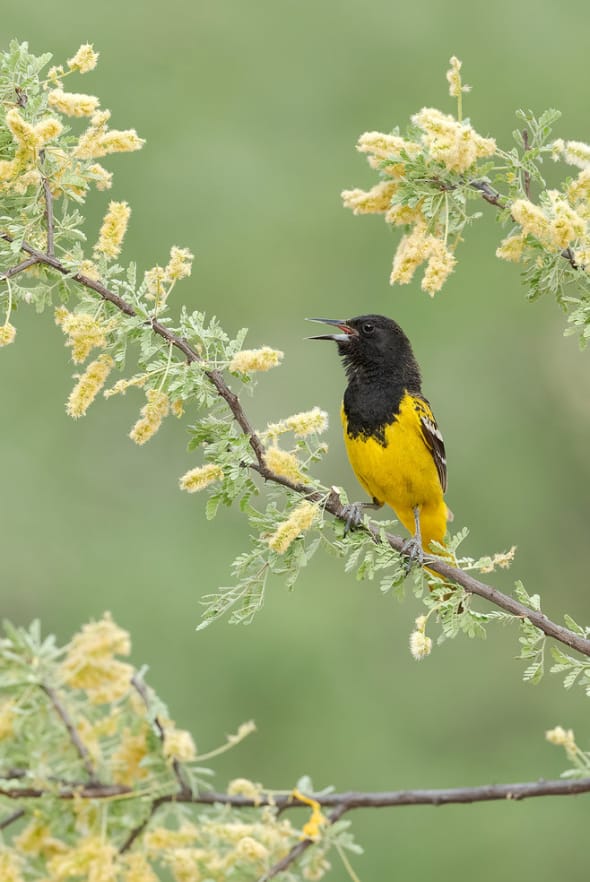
pixel 401 472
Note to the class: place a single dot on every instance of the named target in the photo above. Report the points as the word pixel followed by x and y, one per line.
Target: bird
pixel 393 443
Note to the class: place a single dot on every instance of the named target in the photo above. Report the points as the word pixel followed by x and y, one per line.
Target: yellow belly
pixel 402 473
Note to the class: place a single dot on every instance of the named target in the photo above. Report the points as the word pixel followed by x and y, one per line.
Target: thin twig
pixel 10 819
pixel 64 716
pixel 298 849
pixel 142 690
pixel 14 270
pixel 137 831
pixel 48 209
pixel 333 505
pixel 527 174
pixel 488 193
pixel 91 790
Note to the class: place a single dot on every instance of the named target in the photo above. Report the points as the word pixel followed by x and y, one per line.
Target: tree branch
pixel 14 270
pixel 64 716
pixel 10 819
pixel 345 801
pixel 298 849
pixel 333 504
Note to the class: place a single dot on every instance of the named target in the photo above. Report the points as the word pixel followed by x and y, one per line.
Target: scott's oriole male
pixel 393 443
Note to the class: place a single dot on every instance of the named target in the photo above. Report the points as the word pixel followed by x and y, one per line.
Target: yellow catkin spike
pixel 89 385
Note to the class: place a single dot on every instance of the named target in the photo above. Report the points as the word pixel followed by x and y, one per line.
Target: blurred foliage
pixel 250 179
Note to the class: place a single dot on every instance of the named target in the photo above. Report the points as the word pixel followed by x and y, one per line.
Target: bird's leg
pixel 353 513
pixel 413 547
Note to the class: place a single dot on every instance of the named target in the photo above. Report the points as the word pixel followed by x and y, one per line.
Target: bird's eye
pixel 368 328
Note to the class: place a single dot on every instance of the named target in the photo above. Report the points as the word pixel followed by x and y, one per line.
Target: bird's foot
pixel 352 513
pixel 414 552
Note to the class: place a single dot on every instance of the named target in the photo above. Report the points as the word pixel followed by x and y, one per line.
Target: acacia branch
pixel 333 504
pixel 18 268
pixel 64 716
pixel 345 801
pixel 10 819
pixel 142 690
pixel 298 849
pixel 48 209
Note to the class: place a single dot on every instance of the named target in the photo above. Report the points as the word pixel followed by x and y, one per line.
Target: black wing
pixel 432 437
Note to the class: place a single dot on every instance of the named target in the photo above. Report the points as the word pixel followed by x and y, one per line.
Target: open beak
pixel 344 337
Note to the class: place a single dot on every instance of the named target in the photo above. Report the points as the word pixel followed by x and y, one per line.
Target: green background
pixel 251 111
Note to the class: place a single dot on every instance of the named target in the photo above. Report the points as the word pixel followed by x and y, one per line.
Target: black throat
pixel 376 388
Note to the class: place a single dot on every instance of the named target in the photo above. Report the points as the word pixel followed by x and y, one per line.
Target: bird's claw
pixel 414 552
pixel 352 513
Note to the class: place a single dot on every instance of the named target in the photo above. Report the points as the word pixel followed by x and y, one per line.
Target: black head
pixel 374 348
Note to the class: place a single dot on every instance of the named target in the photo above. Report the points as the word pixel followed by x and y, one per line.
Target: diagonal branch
pixel 10 819
pixel 298 849
pixel 64 716
pixel 333 504
pixel 18 268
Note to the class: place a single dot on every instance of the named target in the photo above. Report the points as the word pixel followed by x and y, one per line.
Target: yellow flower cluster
pixel 152 414
pixel 299 521
pixel 417 247
pixel 245 787
pixel 558 225
pixel 159 839
pixel 563 738
pixel 308 422
pixel 579 190
pixel 511 248
pixel 102 178
pixel 178 743
pixel 284 464
pixel 136 868
pixel 574 152
pixel 36 839
pixel 126 760
pixel 377 200
pixel 180 264
pixel 30 138
pixel 7 718
pixel 420 644
pixel 249 849
pixel 503 560
pixel 89 385
pixel 200 477
pixel 121 386
pixel 113 229
pixel 93 859
pixel 7 334
pixel 160 280
pixel 72 103
pixel 84 60
pixel 457 145
pixel 98 140
pixel 441 263
pixel 384 152
pixel 84 332
pixel 88 268
pixel 454 78
pixel 10 866
pixel 248 360
pixel 90 662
